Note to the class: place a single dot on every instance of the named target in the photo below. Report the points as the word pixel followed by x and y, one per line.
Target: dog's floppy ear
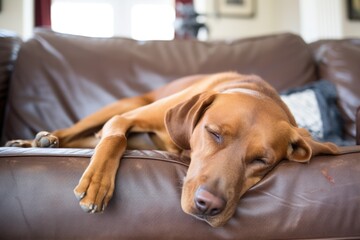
pixel 302 146
pixel 181 120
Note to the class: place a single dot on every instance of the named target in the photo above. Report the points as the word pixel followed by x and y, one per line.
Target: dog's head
pixel 235 139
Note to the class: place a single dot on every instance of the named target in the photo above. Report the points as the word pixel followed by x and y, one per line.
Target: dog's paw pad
pixel 18 143
pixel 46 140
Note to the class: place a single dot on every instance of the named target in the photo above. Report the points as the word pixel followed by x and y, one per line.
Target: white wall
pixel 321 19
pixel 286 15
pixel 312 19
pixel 233 27
pixel 270 16
pixel 350 28
pixel 18 16
pixel 326 19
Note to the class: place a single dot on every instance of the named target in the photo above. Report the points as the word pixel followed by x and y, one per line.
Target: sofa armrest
pixel 358 126
pixel 9 47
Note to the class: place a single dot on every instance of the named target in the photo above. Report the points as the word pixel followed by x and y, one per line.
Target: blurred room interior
pixel 169 19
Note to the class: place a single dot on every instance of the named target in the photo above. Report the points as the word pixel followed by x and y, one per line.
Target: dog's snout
pixel 208 203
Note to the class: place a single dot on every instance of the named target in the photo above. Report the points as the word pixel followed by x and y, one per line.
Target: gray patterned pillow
pixel 314 107
pixel 305 108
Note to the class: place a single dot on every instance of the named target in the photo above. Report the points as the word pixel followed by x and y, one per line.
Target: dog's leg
pixel 83 133
pixel 96 185
pixel 89 126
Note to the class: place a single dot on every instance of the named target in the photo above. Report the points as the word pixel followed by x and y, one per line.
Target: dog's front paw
pixel 97 184
pixel 94 191
pixel 46 140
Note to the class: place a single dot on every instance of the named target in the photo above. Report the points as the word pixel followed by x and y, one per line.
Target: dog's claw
pixel 94 208
pixel 85 208
pixel 91 208
pixel 79 196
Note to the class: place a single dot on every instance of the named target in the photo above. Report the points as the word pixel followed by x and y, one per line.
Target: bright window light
pixel 87 19
pixel 152 22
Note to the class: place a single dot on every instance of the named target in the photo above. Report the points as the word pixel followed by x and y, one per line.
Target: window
pixel 105 18
pixel 88 19
pixel 152 22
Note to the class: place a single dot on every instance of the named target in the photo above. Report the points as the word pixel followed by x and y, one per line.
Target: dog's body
pixel 236 127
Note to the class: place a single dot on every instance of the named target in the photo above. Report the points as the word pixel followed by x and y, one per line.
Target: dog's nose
pixel 208 203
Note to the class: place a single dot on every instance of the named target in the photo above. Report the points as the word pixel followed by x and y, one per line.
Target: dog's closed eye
pixel 259 160
pixel 214 134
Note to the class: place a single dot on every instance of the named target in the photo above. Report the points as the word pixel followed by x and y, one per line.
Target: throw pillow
pixel 314 107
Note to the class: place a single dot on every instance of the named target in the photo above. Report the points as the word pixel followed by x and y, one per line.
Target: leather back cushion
pixel 59 79
pixel 339 63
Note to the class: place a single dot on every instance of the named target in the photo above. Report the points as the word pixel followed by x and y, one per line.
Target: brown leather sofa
pixel 58 79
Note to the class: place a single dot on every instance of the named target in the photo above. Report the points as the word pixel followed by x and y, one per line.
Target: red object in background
pixel 183 1
pixel 187 25
pixel 42 13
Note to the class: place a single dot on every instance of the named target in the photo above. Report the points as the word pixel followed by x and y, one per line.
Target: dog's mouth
pixel 214 221
pixel 203 217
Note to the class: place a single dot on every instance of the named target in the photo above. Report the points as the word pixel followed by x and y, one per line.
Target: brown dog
pixel 236 127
